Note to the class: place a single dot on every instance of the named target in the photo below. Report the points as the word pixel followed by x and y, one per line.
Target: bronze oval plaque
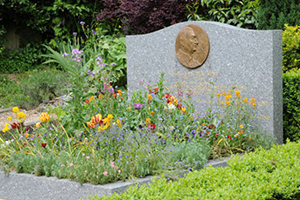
pixel 192 46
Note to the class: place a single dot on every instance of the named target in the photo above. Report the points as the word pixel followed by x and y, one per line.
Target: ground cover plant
pixel 263 174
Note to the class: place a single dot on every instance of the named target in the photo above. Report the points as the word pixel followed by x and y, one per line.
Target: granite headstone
pixel 250 60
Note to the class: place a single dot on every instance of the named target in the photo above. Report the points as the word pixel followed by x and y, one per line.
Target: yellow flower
pixel 227 102
pixel 218 95
pixel 129 108
pixel 119 123
pixel 120 26
pixel 44 117
pixel 9 118
pixel 222 103
pixel 229 94
pixel 100 96
pixel 245 100
pixel 120 92
pixel 239 96
pixel 21 115
pixel 100 129
pixel 237 93
pixel 92 97
pixel 227 97
pixel 149 97
pixel 26 135
pixel 252 100
pixel 223 93
pixel 96 28
pixel 6 125
pixel 110 117
pixel 152 113
pixel 241 126
pixel 148 120
pixel 5 129
pixel 15 109
pixel 295 60
pixel 38 125
pixel 254 105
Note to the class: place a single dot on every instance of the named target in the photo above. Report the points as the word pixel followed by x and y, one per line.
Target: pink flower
pixel 83 154
pixel 112 164
pixel 105 173
pixel 71 164
pixel 85 171
pixel 62 165
pixel 88 157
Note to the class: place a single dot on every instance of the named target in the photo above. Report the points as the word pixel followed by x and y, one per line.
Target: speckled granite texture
pixel 250 60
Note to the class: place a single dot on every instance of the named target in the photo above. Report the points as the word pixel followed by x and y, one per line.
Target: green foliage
pixel 31 88
pixel 274 14
pixel 41 86
pixel 291 47
pixel 291 105
pixel 57 18
pixel 193 154
pixel 17 61
pixel 259 175
pixel 9 89
pixel 234 12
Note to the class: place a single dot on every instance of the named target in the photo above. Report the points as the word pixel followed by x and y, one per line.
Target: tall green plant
pixel 291 47
pixel 274 14
pixel 234 12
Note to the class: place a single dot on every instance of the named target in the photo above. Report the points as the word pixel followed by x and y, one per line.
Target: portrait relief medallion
pixel 192 46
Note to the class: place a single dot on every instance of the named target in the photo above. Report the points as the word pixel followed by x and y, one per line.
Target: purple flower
pixel 93 32
pixel 65 54
pixel 75 33
pixel 138 106
pixel 113 64
pixel 82 23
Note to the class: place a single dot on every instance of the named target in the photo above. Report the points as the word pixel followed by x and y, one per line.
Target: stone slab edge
pixel 26 186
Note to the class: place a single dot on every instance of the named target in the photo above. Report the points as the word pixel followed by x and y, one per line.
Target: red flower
pixel 152 126
pixel 211 126
pixel 44 144
pixel 114 95
pixel 156 90
pixel 229 137
pixel 87 101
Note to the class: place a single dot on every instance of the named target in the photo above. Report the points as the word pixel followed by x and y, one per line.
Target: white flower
pixel 171 107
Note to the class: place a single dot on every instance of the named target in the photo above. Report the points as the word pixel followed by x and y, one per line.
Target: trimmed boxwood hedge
pixel 263 174
pixel 291 105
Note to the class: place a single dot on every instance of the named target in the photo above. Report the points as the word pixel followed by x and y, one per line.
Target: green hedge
pixel 291 105
pixel 263 174
pixel 273 14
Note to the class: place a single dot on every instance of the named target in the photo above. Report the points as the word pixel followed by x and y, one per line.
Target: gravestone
pixel 250 60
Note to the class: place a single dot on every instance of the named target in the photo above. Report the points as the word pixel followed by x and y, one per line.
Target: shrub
pixel 262 174
pixel 39 87
pixel 291 105
pixel 17 61
pixel 291 47
pixel 238 13
pixel 143 16
pixel 274 14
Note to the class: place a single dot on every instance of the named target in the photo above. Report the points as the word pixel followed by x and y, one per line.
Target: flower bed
pixel 104 134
